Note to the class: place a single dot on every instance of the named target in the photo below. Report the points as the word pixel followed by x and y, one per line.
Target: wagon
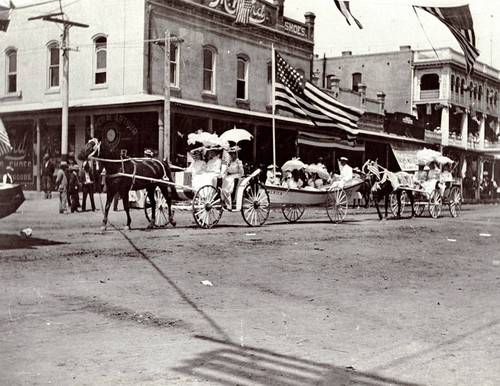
pixel 294 201
pixel 250 198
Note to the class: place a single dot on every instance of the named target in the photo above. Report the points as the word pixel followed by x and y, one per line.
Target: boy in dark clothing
pixel 73 188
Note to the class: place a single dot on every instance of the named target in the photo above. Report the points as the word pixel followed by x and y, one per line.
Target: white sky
pixel 389 24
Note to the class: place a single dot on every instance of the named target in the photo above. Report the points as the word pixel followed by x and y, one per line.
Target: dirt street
pixel 367 302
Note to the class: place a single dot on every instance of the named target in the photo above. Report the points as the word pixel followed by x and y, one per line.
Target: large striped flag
pixel 243 11
pixel 459 22
pixel 4 140
pixel 293 93
pixel 5 9
pixel 344 8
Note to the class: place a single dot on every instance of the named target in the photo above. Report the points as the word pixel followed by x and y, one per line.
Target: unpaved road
pixel 398 302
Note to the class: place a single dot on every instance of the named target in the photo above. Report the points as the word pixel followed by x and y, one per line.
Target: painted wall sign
pixel 21 156
pixel 259 15
pixel 295 28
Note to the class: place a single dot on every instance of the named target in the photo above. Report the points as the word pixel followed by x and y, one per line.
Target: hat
pixel 148 152
pixel 197 150
pixel 10 168
pixel 75 167
pixel 427 167
pixel 234 149
pixel 343 159
pixel 271 167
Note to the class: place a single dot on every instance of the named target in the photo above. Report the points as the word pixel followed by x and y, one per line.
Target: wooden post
pixel 166 104
pixel 38 156
pixel 65 93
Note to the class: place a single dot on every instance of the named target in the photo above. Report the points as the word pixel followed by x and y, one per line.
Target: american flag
pixel 459 22
pixel 295 94
pixel 4 140
pixel 373 168
pixel 243 11
pixel 344 8
pixel 5 10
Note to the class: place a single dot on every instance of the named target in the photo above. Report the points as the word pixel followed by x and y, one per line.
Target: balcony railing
pixel 491 145
pixel 429 94
pixel 432 136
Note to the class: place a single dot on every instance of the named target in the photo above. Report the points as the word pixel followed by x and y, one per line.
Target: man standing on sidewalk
pixel 87 183
pixel 62 187
pixel 47 176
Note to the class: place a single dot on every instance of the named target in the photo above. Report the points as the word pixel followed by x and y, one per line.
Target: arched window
pixel 242 78
pixel 209 57
pixel 54 62
pixel 429 82
pixel 462 86
pixel 452 83
pixel 100 60
pixel 174 63
pixel 471 90
pixel 269 73
pixel 457 84
pixel 356 80
pixel 11 66
pixel 480 93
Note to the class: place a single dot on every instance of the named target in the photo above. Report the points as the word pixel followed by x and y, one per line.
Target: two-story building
pixel 456 112
pixel 219 75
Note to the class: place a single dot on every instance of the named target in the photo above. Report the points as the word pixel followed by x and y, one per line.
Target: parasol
pixel 426 156
pixel 236 135
pixel 320 171
pixel 444 160
pixel 207 139
pixel 293 164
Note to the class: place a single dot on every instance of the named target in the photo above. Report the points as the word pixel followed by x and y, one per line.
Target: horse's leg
pixel 386 203
pixel 166 194
pixel 109 199
pixel 375 201
pixel 398 198
pixel 151 195
pixel 126 206
pixel 410 194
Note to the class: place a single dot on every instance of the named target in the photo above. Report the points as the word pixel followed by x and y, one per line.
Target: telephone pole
pixel 64 47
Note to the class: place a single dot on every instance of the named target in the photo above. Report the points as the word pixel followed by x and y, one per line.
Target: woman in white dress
pixel 233 172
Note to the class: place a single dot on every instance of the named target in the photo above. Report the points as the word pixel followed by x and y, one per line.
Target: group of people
pixel 427 176
pixel 312 177
pixel 211 163
pixel 70 181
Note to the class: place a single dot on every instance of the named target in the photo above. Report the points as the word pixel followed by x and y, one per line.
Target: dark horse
pixel 138 171
pixel 386 184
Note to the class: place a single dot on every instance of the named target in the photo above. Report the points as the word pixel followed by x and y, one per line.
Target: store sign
pixel 116 130
pixel 21 156
pixel 296 29
pixel 257 16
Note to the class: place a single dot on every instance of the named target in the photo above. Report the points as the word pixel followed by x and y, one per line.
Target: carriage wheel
pixel 394 203
pixel 455 201
pixel 435 203
pixel 255 207
pixel 293 212
pixel 419 208
pixel 336 205
pixel 161 212
pixel 207 206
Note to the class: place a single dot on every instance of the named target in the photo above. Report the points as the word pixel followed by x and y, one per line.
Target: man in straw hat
pixel 62 187
pixel 345 174
pixel 7 177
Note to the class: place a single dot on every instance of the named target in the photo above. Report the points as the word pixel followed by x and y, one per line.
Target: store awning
pixel 327 141
pixel 406 155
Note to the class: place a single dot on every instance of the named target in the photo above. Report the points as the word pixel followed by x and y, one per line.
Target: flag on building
pixel 4 140
pixel 295 94
pixel 459 22
pixel 344 8
pixel 5 10
pixel 243 11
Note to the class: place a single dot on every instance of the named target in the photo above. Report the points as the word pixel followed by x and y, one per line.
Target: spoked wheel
pixel 293 212
pixel 207 206
pixel 435 203
pixel 455 201
pixel 394 203
pixel 161 212
pixel 255 207
pixel 419 208
pixel 336 205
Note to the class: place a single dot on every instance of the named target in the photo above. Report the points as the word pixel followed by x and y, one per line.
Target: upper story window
pixel 54 61
pixel 100 60
pixel 242 78
pixel 480 93
pixel 452 83
pixel 462 87
pixel 209 58
pixel 429 82
pixel 356 80
pixel 174 63
pixel 269 72
pixel 11 66
pixel 457 85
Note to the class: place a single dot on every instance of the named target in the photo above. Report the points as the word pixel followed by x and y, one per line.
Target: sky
pixel 389 24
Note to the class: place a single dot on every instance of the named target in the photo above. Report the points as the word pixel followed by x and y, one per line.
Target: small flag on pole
pixel 5 10
pixel 4 140
pixel 293 93
pixel 243 11
pixel 459 22
pixel 344 8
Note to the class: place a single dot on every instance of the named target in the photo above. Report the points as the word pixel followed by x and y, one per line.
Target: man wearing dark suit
pixel 47 176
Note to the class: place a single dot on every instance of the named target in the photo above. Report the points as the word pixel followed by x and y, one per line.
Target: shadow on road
pixel 232 364
pixel 9 241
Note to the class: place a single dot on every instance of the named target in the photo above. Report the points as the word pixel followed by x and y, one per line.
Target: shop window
pixel 100 60
pixel 54 62
pixel 242 78
pixel 11 58
pixel 356 80
pixel 209 57
pixel 174 63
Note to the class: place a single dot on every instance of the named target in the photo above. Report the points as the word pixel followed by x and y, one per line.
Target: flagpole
pixel 273 91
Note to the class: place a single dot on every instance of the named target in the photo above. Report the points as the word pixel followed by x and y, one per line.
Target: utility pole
pixel 64 47
pixel 164 131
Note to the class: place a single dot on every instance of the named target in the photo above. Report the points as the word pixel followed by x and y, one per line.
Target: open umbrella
pixel 320 171
pixel 236 135
pixel 293 164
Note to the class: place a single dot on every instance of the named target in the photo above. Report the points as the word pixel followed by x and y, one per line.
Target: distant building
pixel 459 114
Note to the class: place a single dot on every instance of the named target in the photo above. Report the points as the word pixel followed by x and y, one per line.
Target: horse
pixel 386 184
pixel 365 188
pixel 138 171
